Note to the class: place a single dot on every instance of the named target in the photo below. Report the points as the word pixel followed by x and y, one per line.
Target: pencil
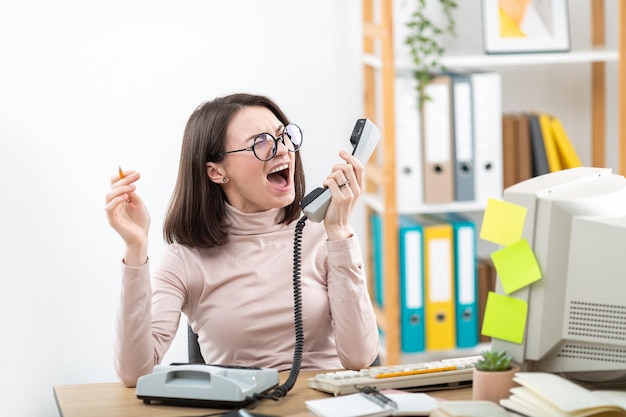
pixel 121 172
pixel 417 372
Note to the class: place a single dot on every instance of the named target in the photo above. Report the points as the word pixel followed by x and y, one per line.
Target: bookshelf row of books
pixel 461 149
pixel 534 144
pixel 443 283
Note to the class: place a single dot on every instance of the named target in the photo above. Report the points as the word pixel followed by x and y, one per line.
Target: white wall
pixel 87 86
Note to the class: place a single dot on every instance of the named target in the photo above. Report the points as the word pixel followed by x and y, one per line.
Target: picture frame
pixel 525 26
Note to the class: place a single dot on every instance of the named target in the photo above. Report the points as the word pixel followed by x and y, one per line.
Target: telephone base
pixel 209 386
pixel 194 402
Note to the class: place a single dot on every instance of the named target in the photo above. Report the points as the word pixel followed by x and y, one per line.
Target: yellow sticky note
pixel 516 265
pixel 503 222
pixel 505 318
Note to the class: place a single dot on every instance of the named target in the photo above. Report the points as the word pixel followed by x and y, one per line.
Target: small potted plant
pixel 493 376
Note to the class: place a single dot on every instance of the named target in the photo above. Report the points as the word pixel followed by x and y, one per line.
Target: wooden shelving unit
pixel 380 70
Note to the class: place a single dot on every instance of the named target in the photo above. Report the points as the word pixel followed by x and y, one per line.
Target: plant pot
pixel 493 386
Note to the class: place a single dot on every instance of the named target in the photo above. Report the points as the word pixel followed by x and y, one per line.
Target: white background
pixel 86 86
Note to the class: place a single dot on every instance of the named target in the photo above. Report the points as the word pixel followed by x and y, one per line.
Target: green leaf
pixel 494 361
pixel 423 41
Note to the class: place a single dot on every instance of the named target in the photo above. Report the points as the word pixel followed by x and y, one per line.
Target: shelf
pixel 480 60
pixel 377 204
pixel 381 68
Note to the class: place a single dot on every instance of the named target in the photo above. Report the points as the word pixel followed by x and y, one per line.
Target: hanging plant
pixel 424 39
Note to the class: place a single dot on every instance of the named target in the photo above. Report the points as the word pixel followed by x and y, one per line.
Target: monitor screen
pixel 576 225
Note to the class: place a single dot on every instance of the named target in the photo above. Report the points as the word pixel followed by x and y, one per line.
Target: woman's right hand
pixel 128 215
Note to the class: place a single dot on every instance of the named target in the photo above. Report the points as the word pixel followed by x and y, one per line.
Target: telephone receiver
pixel 364 139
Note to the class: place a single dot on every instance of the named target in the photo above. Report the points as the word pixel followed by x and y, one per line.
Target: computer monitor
pixel 576 225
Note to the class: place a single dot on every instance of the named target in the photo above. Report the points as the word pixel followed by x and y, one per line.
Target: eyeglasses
pixel 265 144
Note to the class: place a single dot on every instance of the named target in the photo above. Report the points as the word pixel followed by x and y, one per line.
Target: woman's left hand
pixel 345 183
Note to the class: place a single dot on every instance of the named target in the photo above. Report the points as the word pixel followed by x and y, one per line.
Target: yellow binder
pixel 549 144
pixel 439 285
pixel 567 153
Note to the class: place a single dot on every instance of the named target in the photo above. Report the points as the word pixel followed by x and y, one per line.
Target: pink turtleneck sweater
pixel 238 298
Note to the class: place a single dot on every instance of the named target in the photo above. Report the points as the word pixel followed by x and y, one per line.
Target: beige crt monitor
pixel 576 225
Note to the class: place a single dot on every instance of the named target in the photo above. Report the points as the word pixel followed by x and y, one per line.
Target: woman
pixel 228 265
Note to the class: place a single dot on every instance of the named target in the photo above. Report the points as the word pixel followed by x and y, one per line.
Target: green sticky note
pixel 505 318
pixel 503 222
pixel 516 265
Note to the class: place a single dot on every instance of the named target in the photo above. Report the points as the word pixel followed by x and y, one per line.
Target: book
pixel 540 161
pixel 486 283
pixel 523 148
pixel 509 152
pixel 373 404
pixel 516 149
pixel 552 153
pixel 545 394
pixel 567 153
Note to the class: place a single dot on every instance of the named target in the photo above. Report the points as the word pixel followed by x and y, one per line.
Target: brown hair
pixel 196 215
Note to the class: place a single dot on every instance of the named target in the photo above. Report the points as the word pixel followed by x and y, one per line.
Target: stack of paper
pixel 544 394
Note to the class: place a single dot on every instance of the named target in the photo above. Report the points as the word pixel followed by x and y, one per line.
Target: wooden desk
pixel 114 399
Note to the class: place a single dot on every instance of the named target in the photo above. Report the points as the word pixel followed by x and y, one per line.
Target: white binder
pixel 409 188
pixel 487 100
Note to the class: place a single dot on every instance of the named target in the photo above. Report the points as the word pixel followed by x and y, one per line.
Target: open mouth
pixel 279 176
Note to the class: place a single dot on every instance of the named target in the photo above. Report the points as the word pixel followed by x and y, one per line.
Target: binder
pixel 509 151
pixel 408 149
pixel 376 228
pixel 523 148
pixel 567 153
pixel 540 162
pixel 462 136
pixel 552 155
pixel 411 285
pixel 487 110
pixel 465 278
pixel 437 142
pixel 466 293
pixel 486 284
pixel 438 284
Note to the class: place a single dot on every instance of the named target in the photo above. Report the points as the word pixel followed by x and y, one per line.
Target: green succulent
pixel 494 361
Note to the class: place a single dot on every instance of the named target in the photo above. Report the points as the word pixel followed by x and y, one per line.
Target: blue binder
pixel 466 307
pixel 412 318
pixel 376 228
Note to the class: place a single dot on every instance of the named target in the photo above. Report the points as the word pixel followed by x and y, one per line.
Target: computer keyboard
pixel 446 373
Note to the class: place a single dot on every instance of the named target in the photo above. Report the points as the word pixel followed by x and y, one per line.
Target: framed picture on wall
pixel 523 26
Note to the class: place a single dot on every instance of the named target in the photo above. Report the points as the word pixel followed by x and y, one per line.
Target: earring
pixel 224 179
